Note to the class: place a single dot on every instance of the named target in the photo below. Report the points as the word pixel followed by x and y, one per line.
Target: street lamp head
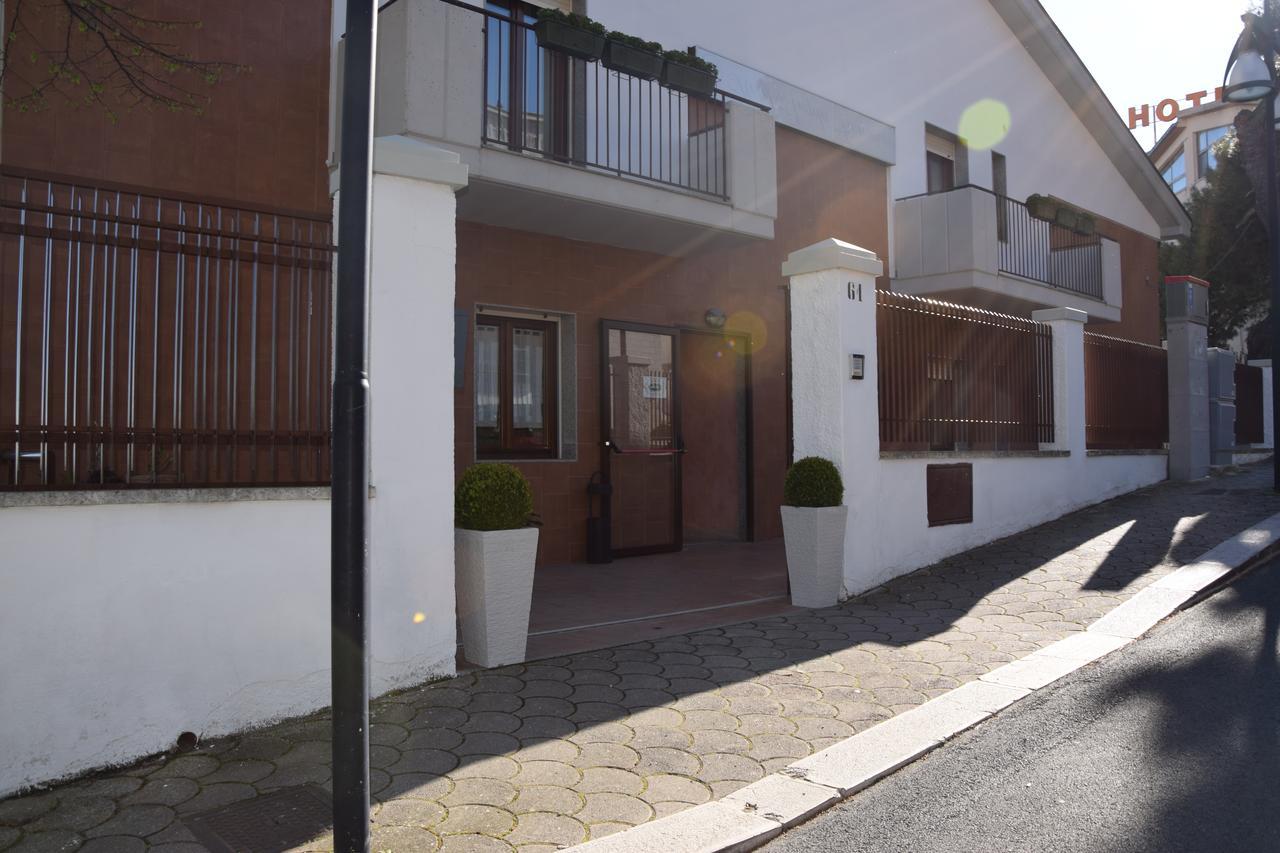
pixel 1248 79
pixel 1249 76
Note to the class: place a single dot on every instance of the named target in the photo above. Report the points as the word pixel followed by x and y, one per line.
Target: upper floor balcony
pixel 972 246
pixel 557 144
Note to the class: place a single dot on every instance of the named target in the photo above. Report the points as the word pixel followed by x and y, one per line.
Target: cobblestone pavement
pixel 548 754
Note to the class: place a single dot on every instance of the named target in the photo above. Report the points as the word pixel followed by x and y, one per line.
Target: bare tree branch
pixel 101 53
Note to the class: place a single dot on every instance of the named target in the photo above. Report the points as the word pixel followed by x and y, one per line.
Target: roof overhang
pixel 1042 39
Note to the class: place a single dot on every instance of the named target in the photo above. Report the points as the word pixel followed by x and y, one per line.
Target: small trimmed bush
pixel 813 482
pixel 492 496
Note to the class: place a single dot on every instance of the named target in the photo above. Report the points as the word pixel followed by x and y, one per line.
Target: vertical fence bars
pixel 1126 388
pixel 956 378
pixel 582 113
pixel 147 341
pixel 1046 252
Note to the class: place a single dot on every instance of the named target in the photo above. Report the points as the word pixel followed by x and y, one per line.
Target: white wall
pixel 128 624
pixel 906 63
pixel 1009 495
pixel 833 312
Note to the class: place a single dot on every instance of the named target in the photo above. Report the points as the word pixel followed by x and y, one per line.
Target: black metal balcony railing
pixel 584 114
pixel 1046 252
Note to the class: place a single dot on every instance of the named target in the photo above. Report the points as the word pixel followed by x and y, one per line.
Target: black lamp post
pixel 349 536
pixel 1250 76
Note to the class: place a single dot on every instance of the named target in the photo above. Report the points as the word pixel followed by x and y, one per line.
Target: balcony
pixel 562 146
pixel 974 247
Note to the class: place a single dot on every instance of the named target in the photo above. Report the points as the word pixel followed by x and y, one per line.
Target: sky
pixel 1143 51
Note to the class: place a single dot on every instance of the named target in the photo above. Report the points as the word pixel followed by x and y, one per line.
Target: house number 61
pixel 855 291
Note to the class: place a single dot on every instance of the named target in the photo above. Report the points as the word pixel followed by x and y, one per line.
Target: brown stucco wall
pixel 1140 277
pixel 824 191
pixel 261 141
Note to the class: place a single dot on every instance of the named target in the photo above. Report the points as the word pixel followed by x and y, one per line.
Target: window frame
pixel 1169 178
pixel 948 171
pixel 1205 151
pixel 507 447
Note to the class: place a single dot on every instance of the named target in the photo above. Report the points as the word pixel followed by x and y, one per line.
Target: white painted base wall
pixel 836 416
pixel 127 623
pixel 890 535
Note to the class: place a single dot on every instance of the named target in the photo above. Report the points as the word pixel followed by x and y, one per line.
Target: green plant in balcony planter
pixel 690 74
pixel 1086 225
pixel 1067 218
pixel 813 526
pixel 575 35
pixel 495 549
pixel 1042 207
pixel 633 56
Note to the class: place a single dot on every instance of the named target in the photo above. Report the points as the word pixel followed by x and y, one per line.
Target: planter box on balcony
pixel 575 41
pixel 687 79
pixel 1042 207
pixel 1067 218
pixel 631 60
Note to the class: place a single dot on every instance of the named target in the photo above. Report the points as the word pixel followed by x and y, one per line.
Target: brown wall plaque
pixel 949 492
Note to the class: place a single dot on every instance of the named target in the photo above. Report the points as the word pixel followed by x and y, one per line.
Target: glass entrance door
pixel 640 419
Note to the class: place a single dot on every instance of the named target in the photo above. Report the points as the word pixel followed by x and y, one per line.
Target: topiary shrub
pixel 814 482
pixel 492 496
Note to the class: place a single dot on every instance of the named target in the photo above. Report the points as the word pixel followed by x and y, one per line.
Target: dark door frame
pixel 608 448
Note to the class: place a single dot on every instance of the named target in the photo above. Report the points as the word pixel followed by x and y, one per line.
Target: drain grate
pixel 267 824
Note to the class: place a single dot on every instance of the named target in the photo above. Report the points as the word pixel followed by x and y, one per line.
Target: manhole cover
pixel 266 824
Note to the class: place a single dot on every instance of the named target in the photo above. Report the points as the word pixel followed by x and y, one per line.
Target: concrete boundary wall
pixel 132 617
pixel 836 416
pixel 1009 495
pixel 127 624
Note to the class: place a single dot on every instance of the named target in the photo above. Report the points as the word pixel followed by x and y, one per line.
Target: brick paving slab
pixel 545 755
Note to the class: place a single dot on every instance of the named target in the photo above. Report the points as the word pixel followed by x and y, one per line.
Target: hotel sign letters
pixel 1168 109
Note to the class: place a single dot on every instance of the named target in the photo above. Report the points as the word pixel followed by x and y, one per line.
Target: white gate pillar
pixel 833 334
pixel 1186 325
pixel 1067 326
pixel 411 349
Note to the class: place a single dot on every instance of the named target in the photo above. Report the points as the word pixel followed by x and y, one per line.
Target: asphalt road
pixel 1172 744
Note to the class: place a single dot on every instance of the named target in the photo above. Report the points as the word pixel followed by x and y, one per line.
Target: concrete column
pixel 1068 377
pixel 1268 416
pixel 1222 405
pixel 413 249
pixel 835 416
pixel 1186 322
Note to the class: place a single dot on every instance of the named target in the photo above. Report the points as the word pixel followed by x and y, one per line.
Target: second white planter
pixel 814 538
pixel 494 574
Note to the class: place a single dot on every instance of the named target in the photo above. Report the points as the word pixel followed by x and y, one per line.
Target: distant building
pixel 1185 155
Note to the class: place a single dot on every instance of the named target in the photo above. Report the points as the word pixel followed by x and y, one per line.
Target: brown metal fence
pixel 956 378
pixel 1249 425
pixel 1126 385
pixel 152 341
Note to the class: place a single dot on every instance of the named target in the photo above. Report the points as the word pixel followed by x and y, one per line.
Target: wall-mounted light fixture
pixel 714 318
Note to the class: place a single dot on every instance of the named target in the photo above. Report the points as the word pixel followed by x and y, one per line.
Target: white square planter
pixel 814 538
pixel 494 577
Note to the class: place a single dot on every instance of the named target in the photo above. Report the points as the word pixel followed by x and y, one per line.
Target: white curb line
pixel 759 812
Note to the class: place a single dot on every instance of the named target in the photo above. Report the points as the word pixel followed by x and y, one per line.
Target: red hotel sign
pixel 1168 109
